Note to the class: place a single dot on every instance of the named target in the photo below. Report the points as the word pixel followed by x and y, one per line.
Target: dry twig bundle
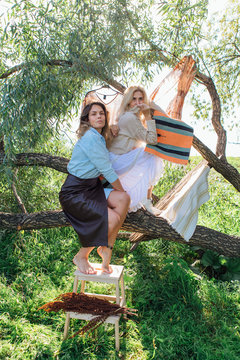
pixel 85 304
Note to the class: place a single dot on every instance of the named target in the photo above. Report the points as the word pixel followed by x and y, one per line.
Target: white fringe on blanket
pixel 182 212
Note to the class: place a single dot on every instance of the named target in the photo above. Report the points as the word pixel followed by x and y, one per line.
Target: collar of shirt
pixel 96 132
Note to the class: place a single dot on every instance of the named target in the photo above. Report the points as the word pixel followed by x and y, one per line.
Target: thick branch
pixel 29 159
pixel 216 113
pixel 140 221
pixel 220 165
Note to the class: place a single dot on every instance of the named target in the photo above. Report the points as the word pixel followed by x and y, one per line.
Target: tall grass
pixel 180 315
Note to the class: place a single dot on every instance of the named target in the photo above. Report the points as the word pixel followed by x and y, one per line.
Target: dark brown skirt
pixel 85 206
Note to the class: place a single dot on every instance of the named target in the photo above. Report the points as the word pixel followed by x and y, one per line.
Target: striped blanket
pixel 174 139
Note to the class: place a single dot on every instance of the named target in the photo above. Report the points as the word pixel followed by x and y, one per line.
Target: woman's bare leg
pixel 118 204
pixel 149 194
pixel 81 261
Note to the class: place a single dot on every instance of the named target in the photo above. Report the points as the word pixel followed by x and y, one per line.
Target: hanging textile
pixel 174 136
pixel 182 211
pixel 174 139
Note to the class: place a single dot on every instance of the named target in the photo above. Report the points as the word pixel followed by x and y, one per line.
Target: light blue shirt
pixel 90 158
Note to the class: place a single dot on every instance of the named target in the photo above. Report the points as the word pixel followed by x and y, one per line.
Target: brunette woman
pixel 96 214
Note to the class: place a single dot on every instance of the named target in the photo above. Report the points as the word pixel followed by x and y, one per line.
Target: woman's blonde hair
pixel 85 125
pixel 128 96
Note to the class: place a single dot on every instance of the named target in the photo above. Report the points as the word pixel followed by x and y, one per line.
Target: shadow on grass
pixel 179 314
pixel 8 259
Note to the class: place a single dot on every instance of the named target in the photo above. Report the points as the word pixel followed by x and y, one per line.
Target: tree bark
pixel 140 221
pixel 216 113
pixel 29 159
pixel 228 171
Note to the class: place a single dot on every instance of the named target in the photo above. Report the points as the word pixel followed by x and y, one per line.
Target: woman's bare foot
pixel 106 254
pixel 83 264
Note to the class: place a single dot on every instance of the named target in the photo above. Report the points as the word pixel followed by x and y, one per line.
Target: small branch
pixel 12 71
pixel 16 68
pixel 19 200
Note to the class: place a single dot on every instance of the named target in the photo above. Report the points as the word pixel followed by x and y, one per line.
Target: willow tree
pixel 52 52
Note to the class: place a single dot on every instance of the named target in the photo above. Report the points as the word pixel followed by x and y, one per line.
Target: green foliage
pixel 45 183
pixel 224 268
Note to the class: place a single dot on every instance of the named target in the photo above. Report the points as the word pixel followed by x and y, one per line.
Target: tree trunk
pixel 140 221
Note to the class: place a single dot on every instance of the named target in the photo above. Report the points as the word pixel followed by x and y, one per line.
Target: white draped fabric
pixel 182 211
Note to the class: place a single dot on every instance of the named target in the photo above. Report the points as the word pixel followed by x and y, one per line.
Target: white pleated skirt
pixel 138 171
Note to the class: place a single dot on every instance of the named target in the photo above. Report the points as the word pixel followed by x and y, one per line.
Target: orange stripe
pixel 166 157
pixel 174 139
pixel 159 113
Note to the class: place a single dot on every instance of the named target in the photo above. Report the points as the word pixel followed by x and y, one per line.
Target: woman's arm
pixel 117 185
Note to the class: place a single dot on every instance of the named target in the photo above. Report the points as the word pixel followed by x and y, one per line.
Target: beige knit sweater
pixel 132 133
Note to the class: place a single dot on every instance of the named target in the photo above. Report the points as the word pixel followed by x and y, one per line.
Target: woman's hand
pixel 145 109
pixel 114 130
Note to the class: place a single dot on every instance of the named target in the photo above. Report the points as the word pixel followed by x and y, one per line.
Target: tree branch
pixel 29 159
pixel 228 171
pixel 216 113
pixel 19 200
pixel 140 221
pixel 53 62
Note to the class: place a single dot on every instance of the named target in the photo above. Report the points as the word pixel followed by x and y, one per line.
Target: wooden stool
pixel 116 277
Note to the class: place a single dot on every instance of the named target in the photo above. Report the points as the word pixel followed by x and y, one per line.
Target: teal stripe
pixel 172 130
pixel 172 155
pixel 172 121
pixel 172 147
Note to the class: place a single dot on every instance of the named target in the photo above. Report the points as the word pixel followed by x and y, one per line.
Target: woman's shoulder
pixel 91 135
pixel 88 138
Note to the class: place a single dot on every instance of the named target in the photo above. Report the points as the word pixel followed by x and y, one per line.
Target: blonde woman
pixel 96 214
pixel 138 171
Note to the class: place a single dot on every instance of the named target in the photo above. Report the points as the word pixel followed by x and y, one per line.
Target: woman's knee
pixel 117 198
pixel 126 199
pixel 123 198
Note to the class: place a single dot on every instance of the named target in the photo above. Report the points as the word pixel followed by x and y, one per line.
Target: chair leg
pixel 82 286
pixel 75 285
pixel 123 291
pixel 66 327
pixel 117 294
pixel 117 343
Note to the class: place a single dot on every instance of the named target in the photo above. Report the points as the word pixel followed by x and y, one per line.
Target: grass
pixel 180 315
